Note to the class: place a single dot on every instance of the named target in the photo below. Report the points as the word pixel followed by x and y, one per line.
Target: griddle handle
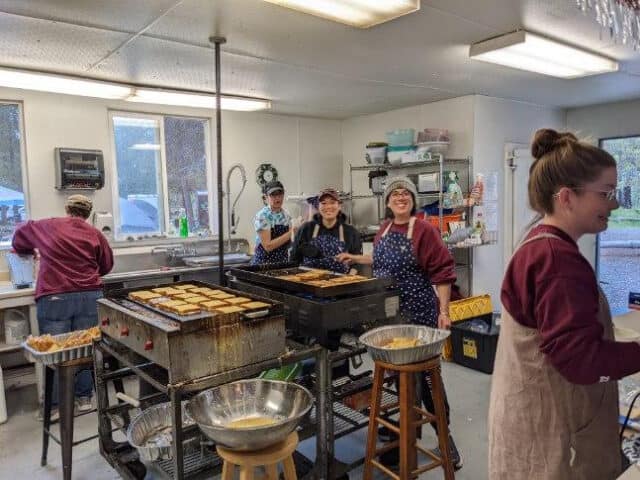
pixel 258 314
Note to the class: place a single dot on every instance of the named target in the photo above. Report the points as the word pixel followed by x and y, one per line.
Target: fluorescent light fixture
pixel 145 146
pixel 228 102
pixel 46 82
pixel 357 13
pixel 528 51
pixel 53 83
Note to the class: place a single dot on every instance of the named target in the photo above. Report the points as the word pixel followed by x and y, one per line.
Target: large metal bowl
pixel 214 409
pixel 431 341
pixel 150 432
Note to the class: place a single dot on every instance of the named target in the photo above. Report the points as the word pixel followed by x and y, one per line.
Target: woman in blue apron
pixel 273 228
pixel 412 252
pixel 319 241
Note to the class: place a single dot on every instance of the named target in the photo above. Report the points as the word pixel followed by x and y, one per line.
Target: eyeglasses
pixel 400 193
pixel 608 195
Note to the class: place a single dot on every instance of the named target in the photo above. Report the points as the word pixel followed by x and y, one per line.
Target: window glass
pixel 12 193
pixel 161 165
pixel 619 245
pixel 186 150
pixel 139 167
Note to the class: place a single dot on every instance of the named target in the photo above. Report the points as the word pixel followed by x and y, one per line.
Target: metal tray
pixel 268 275
pixel 61 356
pixel 275 308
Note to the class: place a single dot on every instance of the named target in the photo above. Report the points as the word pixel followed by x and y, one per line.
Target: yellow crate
pixel 464 309
pixel 470 307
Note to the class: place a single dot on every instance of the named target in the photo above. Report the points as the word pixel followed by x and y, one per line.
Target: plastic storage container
pixel 20 269
pixel 474 342
pixel 16 326
pixel 402 136
pixel 376 155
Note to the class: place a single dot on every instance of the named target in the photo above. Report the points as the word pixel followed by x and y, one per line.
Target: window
pixel 618 250
pixel 161 169
pixel 13 208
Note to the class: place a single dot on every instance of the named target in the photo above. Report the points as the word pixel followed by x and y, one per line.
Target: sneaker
pixel 55 415
pixel 453 452
pixel 84 404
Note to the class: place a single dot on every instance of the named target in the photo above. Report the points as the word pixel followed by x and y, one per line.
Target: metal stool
pixel 411 417
pixel 268 457
pixel 66 380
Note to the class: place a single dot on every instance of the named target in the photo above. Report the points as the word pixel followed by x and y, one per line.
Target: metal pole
pixel 217 42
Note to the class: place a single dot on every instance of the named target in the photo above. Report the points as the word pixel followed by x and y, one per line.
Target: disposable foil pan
pixel 61 356
pixel 150 432
pixel 431 342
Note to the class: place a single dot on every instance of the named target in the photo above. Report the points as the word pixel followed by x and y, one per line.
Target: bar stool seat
pixel 412 417
pixel 268 457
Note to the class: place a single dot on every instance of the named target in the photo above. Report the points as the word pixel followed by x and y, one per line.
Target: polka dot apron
pixel 393 257
pixel 278 255
pixel 329 246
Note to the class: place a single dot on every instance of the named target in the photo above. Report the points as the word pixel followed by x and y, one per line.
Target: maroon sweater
pixel 550 286
pixel 428 248
pixel 73 254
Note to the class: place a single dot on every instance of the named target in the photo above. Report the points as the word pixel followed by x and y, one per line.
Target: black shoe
pixel 453 453
pixel 386 435
pixel 391 458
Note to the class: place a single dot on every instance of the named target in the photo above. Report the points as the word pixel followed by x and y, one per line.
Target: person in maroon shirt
pixel 411 251
pixel 554 392
pixel 73 256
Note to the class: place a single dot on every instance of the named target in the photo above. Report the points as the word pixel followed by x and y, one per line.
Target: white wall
pixel 306 152
pixel 603 121
pixel 497 122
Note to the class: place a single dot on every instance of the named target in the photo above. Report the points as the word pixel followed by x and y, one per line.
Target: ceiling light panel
pixel 357 13
pixel 45 82
pixel 527 51
pixel 164 97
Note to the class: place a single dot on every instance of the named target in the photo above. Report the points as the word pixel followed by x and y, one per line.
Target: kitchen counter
pixel 7 291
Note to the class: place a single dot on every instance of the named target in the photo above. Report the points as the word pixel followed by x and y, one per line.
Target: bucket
pixel 16 326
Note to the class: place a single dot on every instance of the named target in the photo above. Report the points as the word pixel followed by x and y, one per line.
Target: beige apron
pixel 540 425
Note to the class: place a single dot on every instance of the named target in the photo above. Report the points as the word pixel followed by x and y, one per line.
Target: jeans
pixel 66 312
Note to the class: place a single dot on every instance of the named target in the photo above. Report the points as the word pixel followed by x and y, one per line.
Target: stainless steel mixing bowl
pixel 150 432
pixel 431 341
pixel 213 410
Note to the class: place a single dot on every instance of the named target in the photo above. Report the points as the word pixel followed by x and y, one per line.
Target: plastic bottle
pixel 184 223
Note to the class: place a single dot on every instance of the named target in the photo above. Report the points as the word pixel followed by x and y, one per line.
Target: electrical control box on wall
pixel 78 169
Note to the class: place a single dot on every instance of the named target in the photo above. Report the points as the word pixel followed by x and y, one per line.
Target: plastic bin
pixel 475 347
pixel 466 308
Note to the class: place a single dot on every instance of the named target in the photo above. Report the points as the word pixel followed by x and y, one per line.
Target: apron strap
pixel 341 233
pixel 412 222
pixel 316 229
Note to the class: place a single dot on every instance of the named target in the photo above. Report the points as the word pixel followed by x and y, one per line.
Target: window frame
pixel 164 187
pixel 24 164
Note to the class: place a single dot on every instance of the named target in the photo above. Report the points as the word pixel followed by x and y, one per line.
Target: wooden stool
pixel 411 417
pixel 268 457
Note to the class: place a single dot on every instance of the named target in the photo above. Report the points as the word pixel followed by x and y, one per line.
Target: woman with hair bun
pixel 553 413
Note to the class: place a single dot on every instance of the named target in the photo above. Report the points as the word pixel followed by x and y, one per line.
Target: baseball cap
pixel 273 187
pixel 79 201
pixel 329 192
